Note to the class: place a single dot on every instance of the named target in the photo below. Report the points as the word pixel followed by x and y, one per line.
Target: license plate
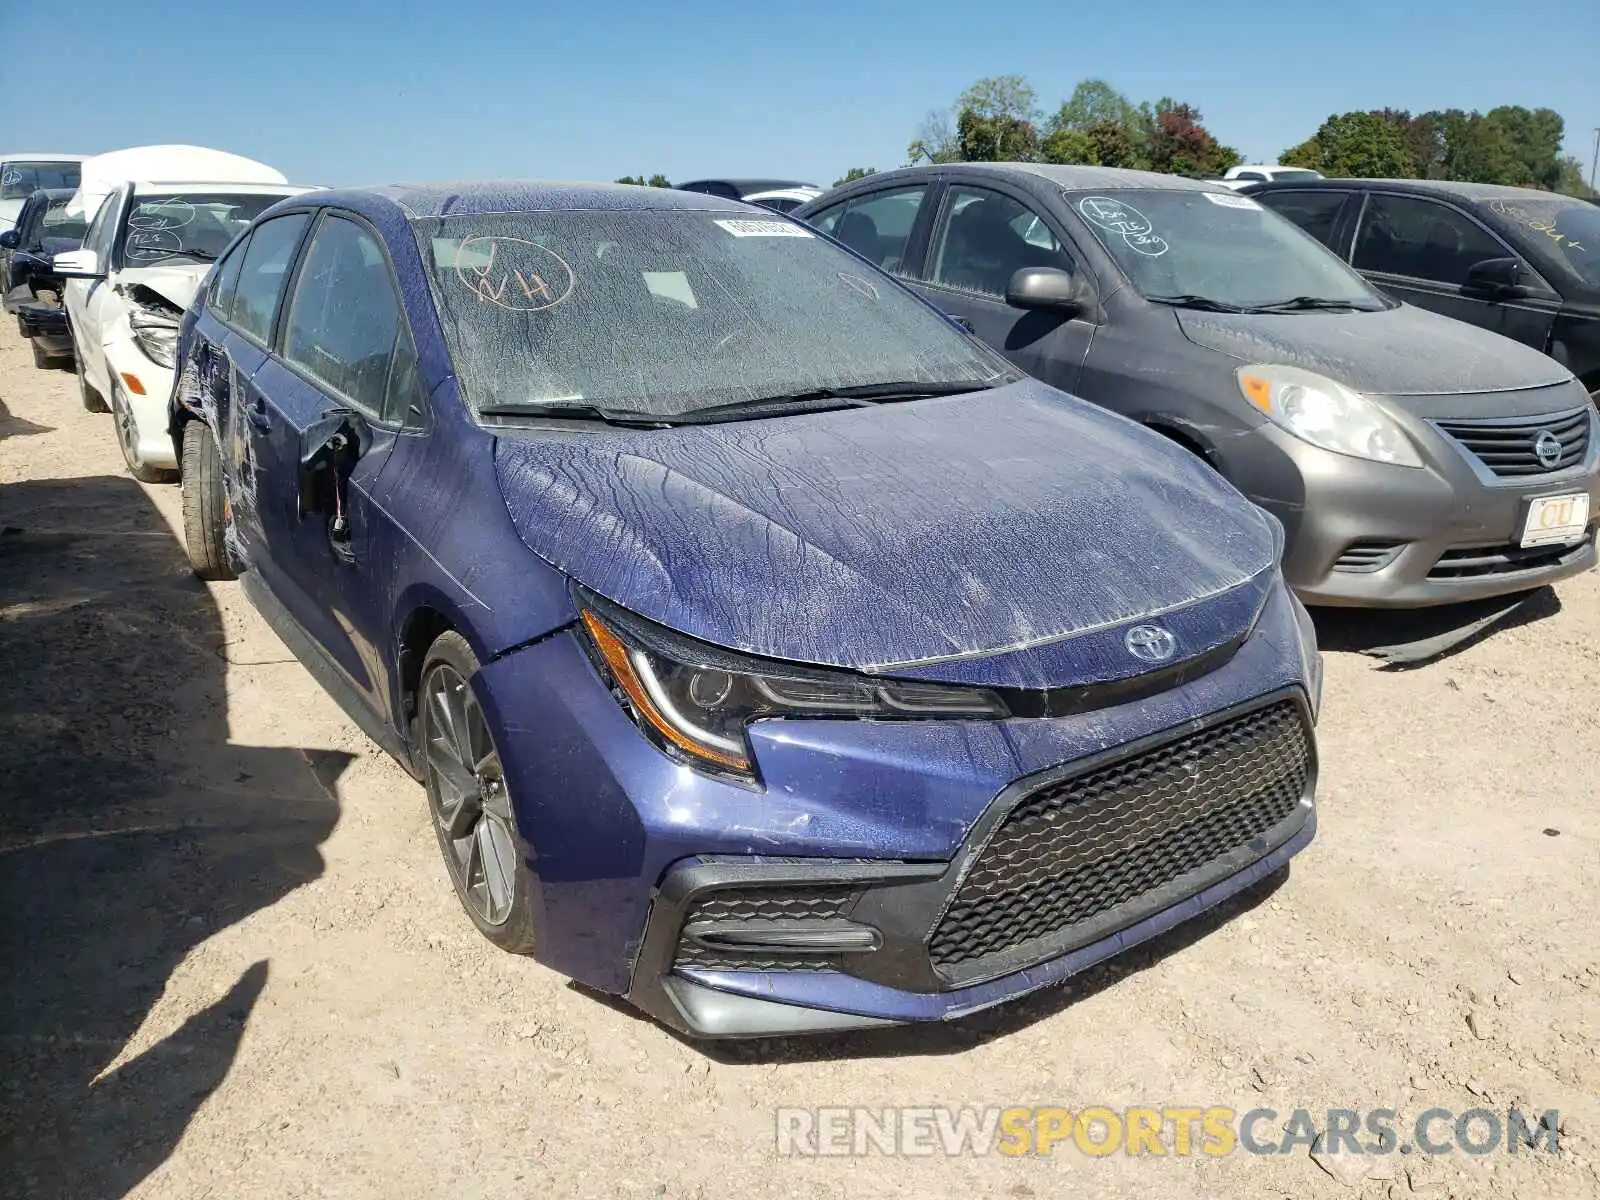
pixel 1556 519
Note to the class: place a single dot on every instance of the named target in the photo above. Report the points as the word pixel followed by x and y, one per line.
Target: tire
pixel 92 400
pixel 484 853
pixel 205 504
pixel 127 441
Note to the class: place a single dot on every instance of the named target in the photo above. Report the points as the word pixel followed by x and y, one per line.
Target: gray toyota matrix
pixel 1412 459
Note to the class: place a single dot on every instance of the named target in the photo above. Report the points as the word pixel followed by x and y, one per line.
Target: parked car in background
pixel 775 194
pixel 22 174
pixel 1244 176
pixel 1022 687
pixel 146 250
pixel 1523 263
pixel 32 289
pixel 1413 460
pixel 784 200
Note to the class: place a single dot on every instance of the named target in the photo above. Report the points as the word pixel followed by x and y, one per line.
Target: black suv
pixel 1520 262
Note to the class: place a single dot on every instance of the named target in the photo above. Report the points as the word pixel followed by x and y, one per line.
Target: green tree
pixel 1360 145
pixel 855 173
pixel 1095 102
pixel 1001 98
pixel 935 141
pixel 1570 178
pixel 640 181
pixel 1532 140
pixel 1119 146
pixel 659 181
pixel 1119 130
pixel 1066 145
pixel 1000 138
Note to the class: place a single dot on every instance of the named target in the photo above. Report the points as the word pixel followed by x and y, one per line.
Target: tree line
pixel 998 119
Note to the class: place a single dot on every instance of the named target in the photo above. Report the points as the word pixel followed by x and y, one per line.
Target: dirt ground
pixel 231 964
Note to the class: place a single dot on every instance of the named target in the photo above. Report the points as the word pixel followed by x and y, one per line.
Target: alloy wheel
pixel 467 791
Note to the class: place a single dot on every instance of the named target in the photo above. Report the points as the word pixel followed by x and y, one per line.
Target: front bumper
pixel 1371 534
pixel 740 947
pixel 124 358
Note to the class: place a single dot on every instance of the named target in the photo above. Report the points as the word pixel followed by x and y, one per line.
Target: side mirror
pixel 1499 277
pixel 77 264
pixel 1048 289
pixel 10 240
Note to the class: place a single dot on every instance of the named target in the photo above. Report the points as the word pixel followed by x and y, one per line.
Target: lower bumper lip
pixel 728 1004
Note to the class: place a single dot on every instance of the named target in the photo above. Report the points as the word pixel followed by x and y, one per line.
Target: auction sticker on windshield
pixel 764 229
pixel 1229 200
pixel 1556 519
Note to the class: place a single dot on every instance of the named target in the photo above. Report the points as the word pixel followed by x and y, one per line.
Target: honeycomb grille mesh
pixel 754 905
pixel 1080 848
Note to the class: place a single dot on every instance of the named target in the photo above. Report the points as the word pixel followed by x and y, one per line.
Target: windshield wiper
pixel 144 258
pixel 1311 304
pixel 629 418
pixel 1203 303
pixel 827 399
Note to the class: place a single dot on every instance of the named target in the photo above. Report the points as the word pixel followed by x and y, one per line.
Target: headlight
pixel 157 336
pixel 1327 414
pixel 695 700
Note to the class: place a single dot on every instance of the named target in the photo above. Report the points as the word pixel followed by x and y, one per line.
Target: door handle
pixel 256 413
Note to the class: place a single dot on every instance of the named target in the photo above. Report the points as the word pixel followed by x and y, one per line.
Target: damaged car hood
pixel 177 283
pixel 1402 351
pixel 971 537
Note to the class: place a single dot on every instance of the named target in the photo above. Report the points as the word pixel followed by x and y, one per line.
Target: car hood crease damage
pixel 967 538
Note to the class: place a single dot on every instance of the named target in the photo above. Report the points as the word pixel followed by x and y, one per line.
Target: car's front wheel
pixel 93 401
pixel 471 801
pixel 128 440
pixel 205 504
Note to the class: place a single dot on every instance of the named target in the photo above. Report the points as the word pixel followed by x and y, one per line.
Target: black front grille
pixel 1076 850
pixel 1508 447
pixel 755 906
pixel 1471 562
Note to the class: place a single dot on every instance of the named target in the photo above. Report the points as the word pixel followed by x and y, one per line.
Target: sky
pixel 339 92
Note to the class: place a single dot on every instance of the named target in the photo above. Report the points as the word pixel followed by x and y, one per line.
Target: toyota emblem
pixel 1150 643
pixel 1546 448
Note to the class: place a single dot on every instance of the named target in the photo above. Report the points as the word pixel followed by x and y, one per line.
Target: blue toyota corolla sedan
pixel 771 652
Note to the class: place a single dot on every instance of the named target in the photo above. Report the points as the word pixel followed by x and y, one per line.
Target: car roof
pixel 143 187
pixel 1449 188
pixel 509 196
pixel 747 186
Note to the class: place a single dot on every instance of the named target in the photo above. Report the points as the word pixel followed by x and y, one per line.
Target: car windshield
pixel 1216 247
pixel 668 312
pixel 19 180
pixel 193 226
pixel 1559 233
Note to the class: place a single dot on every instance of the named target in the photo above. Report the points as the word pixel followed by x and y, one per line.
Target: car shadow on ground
pixel 965 1033
pixel 130 832
pixel 1415 637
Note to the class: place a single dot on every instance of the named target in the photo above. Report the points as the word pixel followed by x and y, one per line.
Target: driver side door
pixel 982 237
pixel 88 301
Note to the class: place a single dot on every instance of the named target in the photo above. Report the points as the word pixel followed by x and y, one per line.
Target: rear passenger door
pixel 1324 213
pixel 344 347
pixel 982 237
pixel 231 340
pixel 887 227
pixel 1419 250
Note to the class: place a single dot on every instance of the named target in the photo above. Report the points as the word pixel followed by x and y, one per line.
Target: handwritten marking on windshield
pixel 1116 216
pixel 1523 216
pixel 512 273
pixel 153 243
pixel 173 213
pixel 861 285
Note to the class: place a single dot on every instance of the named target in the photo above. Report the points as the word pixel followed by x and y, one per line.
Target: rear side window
pixel 345 319
pixel 266 258
pixel 986 237
pixel 1315 212
pixel 1407 235
pixel 878 226
pixel 219 297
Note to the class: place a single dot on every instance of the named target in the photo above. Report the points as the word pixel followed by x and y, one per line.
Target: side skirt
pixel 325 671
